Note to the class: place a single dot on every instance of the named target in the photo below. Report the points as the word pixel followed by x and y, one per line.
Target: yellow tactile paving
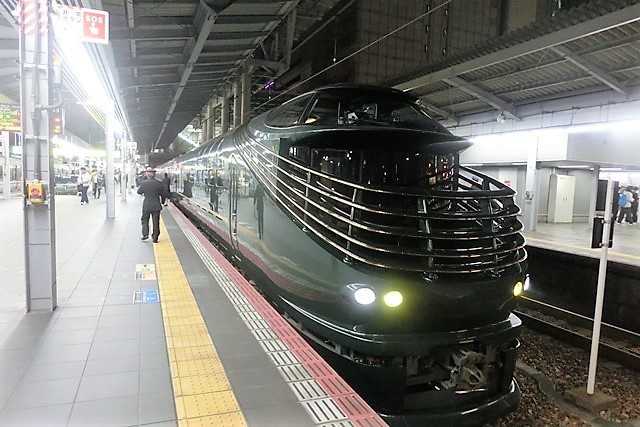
pixel 202 392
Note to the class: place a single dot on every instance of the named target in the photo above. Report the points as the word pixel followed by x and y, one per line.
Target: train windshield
pixel 358 108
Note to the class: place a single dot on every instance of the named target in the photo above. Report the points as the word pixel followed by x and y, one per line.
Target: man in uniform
pixel 151 206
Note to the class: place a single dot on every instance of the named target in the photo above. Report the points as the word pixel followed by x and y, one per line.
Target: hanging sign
pixel 90 25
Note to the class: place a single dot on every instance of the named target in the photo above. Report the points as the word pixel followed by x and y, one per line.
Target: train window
pixel 288 113
pixel 325 111
pixel 331 109
pixel 385 168
pixel 300 153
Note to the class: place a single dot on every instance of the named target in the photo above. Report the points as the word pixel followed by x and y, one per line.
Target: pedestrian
pixel 153 190
pixel 166 183
pixel 100 179
pixel 94 182
pixel 84 181
pixel 634 205
pixel 624 202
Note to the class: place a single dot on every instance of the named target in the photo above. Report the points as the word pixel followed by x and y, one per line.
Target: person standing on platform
pixel 153 190
pixel 624 201
pixel 166 183
pixel 99 183
pixel 84 181
pixel 634 204
pixel 94 182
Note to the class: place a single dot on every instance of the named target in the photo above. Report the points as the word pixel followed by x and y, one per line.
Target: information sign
pixel 9 117
pixel 90 25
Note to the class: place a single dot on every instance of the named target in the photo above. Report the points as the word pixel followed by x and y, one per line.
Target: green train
pixel 348 208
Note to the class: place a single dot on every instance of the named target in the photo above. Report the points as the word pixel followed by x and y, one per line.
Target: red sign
pixel 95 26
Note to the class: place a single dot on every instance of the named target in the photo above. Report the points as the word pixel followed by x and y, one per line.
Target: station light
pixel 56 116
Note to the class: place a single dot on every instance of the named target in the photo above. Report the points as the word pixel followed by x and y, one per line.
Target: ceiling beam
pixel 250 35
pixel 246 19
pixel 483 95
pixel 438 110
pixel 180 33
pixel 196 49
pixel 614 19
pixel 273 65
pixel 591 68
pixel 164 62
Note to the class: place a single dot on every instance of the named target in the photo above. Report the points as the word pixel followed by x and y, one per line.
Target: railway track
pixel 616 344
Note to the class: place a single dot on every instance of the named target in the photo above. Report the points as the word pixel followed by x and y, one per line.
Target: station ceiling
pixel 168 58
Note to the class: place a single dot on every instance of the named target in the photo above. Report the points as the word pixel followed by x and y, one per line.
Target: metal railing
pixel 465 223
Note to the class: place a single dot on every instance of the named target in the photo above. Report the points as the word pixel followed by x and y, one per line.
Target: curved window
pixel 356 108
pixel 288 113
pixel 385 168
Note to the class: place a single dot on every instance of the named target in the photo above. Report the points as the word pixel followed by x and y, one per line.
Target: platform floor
pixel 576 238
pixel 151 334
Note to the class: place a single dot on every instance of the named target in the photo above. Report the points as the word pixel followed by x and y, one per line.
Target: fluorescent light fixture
pixel 574 167
pixel 622 126
pixel 610 169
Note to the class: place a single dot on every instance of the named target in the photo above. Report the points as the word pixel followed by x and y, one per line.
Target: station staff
pixel 153 190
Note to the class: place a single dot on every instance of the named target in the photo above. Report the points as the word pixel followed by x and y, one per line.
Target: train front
pixel 423 258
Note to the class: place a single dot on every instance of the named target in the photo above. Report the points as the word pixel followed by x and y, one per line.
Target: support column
pixel 206 134
pixel 225 113
pixel 237 108
pixel 6 170
pixel 595 175
pixel 37 164
pixel 109 184
pixel 212 117
pixel 530 209
pixel 246 96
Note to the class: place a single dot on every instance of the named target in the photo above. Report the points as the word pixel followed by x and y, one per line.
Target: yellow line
pixel 202 392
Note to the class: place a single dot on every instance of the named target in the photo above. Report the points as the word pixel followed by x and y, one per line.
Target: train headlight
pixel 527 283
pixel 393 299
pixel 364 296
pixel 517 289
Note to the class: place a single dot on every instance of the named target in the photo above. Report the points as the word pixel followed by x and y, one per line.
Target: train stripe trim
pixel 337 399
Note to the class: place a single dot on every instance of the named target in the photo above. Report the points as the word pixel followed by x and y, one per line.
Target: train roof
pixel 382 90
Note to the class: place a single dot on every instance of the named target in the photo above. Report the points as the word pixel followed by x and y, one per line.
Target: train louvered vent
pixel 415 212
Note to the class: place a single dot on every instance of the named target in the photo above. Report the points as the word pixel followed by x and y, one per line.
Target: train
pixel 348 208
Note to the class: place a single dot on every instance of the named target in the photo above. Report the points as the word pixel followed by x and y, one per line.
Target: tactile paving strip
pixel 202 393
pixel 326 397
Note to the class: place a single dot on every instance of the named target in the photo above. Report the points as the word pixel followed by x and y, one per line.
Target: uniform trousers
pixel 155 215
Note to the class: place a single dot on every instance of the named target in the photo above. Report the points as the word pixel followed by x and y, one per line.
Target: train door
pixel 233 201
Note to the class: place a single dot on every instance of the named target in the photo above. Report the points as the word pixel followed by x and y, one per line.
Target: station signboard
pixel 10 118
pixel 90 25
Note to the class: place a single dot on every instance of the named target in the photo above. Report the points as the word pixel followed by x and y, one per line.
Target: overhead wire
pixel 357 52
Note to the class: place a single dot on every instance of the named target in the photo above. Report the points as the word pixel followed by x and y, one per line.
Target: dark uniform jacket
pixel 152 190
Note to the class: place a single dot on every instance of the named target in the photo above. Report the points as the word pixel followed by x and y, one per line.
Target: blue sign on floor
pixel 145 297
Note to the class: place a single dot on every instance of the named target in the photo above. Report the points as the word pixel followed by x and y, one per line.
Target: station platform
pixel 161 334
pixel 575 238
